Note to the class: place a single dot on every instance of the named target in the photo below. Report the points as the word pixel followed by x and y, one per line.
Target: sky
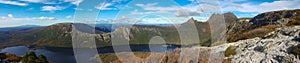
pixel 47 12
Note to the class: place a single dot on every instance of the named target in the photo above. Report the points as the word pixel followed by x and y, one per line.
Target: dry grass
pixel 218 43
pixel 13 58
pixel 258 32
pixel 112 58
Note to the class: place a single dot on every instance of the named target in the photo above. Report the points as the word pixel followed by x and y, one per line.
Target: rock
pixel 271 50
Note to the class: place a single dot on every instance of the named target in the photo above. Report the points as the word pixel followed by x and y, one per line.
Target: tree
pixel 32 58
pixel 29 58
pixel 24 59
pixel 42 59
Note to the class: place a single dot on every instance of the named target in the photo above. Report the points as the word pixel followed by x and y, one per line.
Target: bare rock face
pixel 271 50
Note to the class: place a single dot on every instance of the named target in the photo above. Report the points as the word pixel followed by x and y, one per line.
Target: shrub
pixel 295 50
pixel 230 51
pixel 32 58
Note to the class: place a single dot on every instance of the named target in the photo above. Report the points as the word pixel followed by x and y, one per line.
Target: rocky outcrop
pixel 274 49
pixel 262 24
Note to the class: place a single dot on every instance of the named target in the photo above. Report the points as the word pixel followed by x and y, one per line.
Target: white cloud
pixel 112 5
pixel 265 6
pixel 45 18
pixel 149 12
pixel 183 11
pixel 187 13
pixel 105 6
pixel 69 16
pixel 52 8
pixel 75 2
pixel 43 1
pixel 123 17
pixel 10 16
pixel 13 3
pixel 210 8
pixel 36 1
pixel 2 17
pixel 152 7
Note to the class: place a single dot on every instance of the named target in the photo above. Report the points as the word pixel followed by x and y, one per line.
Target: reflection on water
pixel 66 55
pixel 18 50
pixel 54 55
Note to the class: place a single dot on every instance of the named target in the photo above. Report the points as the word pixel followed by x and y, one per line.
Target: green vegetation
pixel 32 58
pixel 231 50
pixel 142 34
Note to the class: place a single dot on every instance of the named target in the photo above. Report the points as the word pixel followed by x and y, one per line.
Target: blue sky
pixel 47 12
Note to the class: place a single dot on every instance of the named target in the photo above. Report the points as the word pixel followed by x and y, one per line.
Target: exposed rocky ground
pixel 274 49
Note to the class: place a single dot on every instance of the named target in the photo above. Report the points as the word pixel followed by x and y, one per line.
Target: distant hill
pixel 57 35
pixel 23 27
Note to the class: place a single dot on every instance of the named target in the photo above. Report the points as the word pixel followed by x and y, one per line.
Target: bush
pixel 230 51
pixel 295 50
pixel 32 58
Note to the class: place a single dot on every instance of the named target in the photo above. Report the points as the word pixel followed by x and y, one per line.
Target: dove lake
pixel 66 55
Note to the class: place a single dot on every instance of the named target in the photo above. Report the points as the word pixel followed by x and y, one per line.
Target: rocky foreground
pixel 273 48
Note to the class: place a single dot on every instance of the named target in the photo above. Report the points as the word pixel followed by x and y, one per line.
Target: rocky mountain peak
pixel 230 18
pixel 192 20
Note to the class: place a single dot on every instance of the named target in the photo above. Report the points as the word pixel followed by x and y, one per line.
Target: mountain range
pixel 59 35
pixel 271 37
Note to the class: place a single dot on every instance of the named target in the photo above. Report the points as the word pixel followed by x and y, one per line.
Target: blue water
pixel 66 55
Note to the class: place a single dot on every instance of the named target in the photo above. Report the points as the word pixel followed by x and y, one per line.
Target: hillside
pixel 59 35
pixel 262 24
pixel 277 42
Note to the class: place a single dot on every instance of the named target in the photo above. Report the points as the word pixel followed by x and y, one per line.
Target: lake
pixel 66 55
